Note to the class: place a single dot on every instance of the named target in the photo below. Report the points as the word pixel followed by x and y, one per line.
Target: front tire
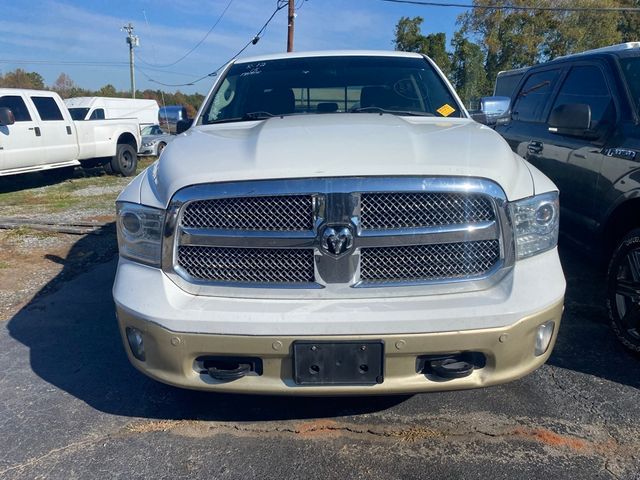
pixel 125 161
pixel 160 148
pixel 623 291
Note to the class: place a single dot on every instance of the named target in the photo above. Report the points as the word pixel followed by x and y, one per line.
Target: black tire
pixel 125 161
pixel 623 291
pixel 160 148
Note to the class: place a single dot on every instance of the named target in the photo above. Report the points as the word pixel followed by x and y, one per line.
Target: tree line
pixel 490 40
pixel 67 88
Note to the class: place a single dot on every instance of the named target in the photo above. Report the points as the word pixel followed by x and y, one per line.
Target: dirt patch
pixel 34 263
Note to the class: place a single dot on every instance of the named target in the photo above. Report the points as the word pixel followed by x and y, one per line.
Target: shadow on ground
pixel 27 181
pixel 74 345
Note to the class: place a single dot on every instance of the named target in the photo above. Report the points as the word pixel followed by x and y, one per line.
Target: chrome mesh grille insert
pixel 428 262
pixel 281 213
pixel 247 265
pixel 380 211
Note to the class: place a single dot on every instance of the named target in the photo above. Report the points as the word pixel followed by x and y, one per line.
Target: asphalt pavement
pixel 71 406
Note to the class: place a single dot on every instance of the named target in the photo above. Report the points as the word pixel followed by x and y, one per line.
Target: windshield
pixel 78 113
pixel 403 86
pixel 631 69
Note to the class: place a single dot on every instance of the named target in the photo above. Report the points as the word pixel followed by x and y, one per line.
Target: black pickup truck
pixel 577 119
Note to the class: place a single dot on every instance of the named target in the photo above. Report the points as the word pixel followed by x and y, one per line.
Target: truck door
pixel 57 130
pixel 574 162
pixel 21 142
pixel 529 110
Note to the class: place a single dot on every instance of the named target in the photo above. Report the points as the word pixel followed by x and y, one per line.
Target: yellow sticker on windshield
pixel 446 110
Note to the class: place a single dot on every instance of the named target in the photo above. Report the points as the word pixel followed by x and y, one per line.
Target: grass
pixel 29 193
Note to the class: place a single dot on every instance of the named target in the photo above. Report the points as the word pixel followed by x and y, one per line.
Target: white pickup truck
pixel 335 223
pixel 37 133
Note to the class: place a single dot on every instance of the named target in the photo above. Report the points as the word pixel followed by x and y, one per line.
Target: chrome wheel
pixel 627 293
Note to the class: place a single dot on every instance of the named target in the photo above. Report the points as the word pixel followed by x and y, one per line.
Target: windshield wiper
pixel 374 109
pixel 247 116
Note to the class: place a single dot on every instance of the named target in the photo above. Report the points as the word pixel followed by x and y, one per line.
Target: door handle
pixel 36 130
pixel 535 147
pixel 68 130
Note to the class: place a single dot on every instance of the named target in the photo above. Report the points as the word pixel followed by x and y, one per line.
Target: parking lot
pixel 71 405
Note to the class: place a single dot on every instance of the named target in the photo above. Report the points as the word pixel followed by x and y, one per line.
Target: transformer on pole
pixel 133 41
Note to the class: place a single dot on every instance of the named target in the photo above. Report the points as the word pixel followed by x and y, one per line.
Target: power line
pixel 516 7
pixel 88 64
pixel 256 38
pixel 189 52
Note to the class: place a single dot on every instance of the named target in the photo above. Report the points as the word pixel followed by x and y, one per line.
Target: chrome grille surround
pixel 337 202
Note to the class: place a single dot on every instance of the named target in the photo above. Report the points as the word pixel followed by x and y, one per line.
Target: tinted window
pixel 586 84
pixel 17 106
pixel 97 114
pixel 338 84
pixel 78 113
pixel 631 69
pixel 506 84
pixel 533 96
pixel 47 108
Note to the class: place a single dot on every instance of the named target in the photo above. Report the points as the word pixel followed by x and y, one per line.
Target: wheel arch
pixel 623 218
pixel 129 139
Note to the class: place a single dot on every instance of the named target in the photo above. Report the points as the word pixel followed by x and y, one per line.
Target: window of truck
pixel 331 85
pixel 17 106
pixel 47 108
pixel 533 96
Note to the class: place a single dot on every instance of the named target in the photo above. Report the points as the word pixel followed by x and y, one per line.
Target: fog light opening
pixel 543 337
pixel 136 343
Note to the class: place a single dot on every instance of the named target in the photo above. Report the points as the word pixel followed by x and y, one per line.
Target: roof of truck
pixel 330 53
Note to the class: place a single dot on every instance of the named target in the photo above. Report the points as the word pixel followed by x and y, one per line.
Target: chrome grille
pixel 405 232
pixel 249 265
pixel 381 211
pixel 428 262
pixel 281 213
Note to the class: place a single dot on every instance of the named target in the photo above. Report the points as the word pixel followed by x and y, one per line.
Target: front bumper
pixel 509 354
pixel 499 323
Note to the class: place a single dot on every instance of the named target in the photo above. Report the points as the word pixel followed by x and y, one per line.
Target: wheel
pixel 160 148
pixel 125 161
pixel 623 291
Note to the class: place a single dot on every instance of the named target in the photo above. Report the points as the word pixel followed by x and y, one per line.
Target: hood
pixel 335 145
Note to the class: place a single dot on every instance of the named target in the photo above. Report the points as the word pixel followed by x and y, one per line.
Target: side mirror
pixel 183 125
pixel 494 107
pixel 573 119
pixel 6 117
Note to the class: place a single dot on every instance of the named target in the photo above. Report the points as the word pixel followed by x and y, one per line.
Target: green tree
pixel 517 38
pixel 22 79
pixel 107 91
pixel 409 38
pixel 467 70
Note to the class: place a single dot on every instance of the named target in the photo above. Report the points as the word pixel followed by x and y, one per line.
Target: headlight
pixel 140 232
pixel 535 223
pixel 148 144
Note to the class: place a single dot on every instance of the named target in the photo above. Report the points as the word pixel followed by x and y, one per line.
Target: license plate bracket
pixel 338 363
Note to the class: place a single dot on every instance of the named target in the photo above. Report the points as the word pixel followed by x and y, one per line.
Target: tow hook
pixel 227 369
pixel 230 371
pixel 451 367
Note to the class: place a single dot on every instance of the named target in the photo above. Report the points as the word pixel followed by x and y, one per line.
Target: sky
pixel 53 36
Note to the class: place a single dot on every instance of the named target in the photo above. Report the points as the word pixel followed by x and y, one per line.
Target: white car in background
pixel 37 133
pixel 153 141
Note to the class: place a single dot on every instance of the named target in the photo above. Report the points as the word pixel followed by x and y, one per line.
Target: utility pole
pixel 133 41
pixel 292 16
